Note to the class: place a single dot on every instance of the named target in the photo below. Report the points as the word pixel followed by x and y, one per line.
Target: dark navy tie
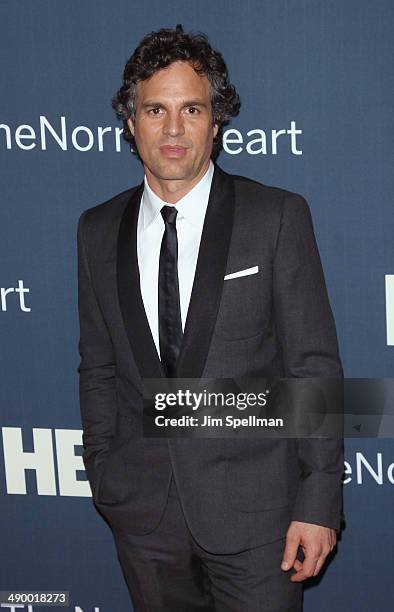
pixel 170 323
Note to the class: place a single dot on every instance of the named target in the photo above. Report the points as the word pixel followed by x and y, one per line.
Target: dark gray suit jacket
pixel 235 493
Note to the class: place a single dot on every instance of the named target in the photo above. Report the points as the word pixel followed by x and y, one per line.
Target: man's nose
pixel 173 124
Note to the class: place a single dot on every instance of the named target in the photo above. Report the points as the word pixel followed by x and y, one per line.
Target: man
pixel 201 524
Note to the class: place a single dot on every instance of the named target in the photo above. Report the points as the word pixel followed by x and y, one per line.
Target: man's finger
pixel 320 564
pixel 333 539
pixel 290 552
pixel 308 566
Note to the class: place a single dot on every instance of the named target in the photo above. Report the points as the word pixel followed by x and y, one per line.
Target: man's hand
pixel 316 542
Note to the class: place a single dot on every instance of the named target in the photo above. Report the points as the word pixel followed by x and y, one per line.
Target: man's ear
pixel 215 130
pixel 131 126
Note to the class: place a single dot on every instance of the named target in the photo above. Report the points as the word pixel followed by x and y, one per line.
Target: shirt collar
pixel 191 207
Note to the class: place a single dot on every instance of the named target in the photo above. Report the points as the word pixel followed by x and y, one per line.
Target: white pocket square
pixel 246 272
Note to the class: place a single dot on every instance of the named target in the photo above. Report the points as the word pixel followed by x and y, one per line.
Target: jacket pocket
pixel 244 308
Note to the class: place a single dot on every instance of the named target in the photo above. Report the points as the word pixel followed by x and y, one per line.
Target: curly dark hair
pixel 158 50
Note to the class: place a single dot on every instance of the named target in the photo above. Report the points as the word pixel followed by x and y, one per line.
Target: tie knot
pixel 169 214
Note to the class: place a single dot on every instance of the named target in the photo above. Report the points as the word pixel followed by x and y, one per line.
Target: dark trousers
pixel 167 571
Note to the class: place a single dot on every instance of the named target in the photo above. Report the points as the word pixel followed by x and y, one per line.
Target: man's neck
pixel 172 191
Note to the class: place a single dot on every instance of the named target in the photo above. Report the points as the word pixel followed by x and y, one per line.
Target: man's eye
pixel 193 110
pixel 155 111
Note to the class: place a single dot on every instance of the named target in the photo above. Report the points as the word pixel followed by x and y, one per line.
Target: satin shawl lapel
pixel 209 275
pixel 129 292
pixel 207 285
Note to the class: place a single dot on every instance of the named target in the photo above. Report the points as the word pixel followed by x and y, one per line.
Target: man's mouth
pixel 173 151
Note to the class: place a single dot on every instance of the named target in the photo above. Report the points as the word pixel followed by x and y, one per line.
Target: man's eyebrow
pixel 194 103
pixel 155 103
pixel 150 103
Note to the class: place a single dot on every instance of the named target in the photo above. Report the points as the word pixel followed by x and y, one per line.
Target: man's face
pixel 173 126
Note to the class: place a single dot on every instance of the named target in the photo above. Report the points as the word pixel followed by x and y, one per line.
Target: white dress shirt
pixel 150 229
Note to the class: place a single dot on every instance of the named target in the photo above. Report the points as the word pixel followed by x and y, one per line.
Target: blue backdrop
pixel 316 83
